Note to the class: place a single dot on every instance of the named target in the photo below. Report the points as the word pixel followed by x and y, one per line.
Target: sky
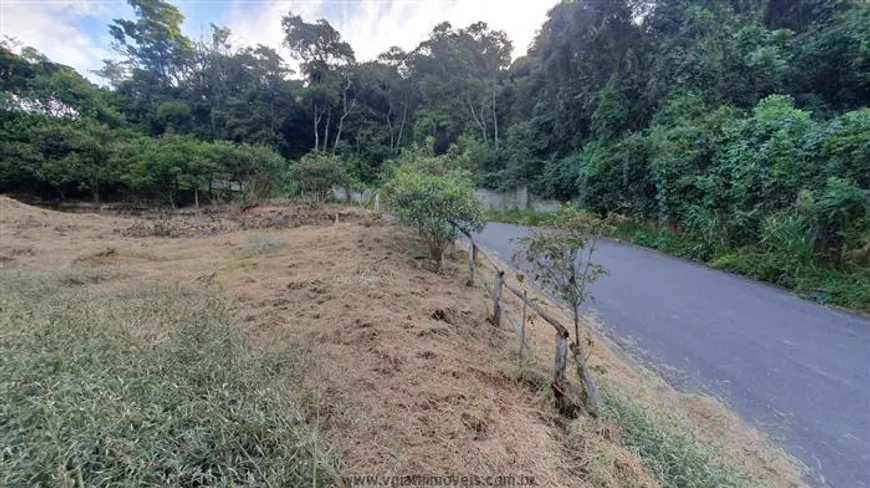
pixel 75 32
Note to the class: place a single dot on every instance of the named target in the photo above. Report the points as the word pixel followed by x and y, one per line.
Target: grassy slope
pixel 148 385
pixel 848 288
pixel 107 383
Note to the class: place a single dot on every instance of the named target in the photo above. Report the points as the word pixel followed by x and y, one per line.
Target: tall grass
pixel 667 449
pixel 142 386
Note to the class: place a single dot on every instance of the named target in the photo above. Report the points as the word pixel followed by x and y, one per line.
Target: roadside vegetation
pixel 149 384
pixel 783 258
pixel 666 447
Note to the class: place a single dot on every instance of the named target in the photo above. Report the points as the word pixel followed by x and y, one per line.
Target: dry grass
pixel 672 430
pixel 412 379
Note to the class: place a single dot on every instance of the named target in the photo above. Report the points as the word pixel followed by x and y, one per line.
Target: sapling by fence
pixel 560 259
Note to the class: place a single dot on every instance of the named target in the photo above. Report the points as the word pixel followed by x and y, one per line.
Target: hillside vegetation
pixel 742 127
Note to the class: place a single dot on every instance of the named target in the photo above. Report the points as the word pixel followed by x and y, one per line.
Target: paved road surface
pixel 795 369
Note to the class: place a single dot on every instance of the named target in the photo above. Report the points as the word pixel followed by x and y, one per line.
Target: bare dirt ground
pixel 413 378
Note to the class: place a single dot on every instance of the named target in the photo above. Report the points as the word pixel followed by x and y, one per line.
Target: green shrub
pixel 317 173
pixel 436 204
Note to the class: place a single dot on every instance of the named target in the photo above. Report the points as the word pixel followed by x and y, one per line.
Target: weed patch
pixel 667 449
pixel 258 245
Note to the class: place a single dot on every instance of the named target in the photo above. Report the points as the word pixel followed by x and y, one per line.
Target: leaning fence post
pixel 474 257
pixel 496 298
pixel 560 383
pixel 523 325
pixel 471 263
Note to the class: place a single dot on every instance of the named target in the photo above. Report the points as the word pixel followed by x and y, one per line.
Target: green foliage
pixel 667 449
pixel 144 386
pixel 317 173
pixel 784 255
pixel 709 119
pixel 835 213
pixel 438 201
pixel 527 218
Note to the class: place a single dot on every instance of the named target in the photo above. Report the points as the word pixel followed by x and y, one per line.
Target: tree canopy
pixel 711 118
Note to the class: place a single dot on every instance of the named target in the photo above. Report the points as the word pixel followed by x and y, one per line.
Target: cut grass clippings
pixel 142 386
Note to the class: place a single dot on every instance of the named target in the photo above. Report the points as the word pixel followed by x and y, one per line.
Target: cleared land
pixel 274 346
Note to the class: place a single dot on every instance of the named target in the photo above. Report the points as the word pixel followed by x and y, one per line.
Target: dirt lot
pixel 413 378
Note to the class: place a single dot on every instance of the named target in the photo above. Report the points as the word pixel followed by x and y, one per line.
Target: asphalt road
pixel 797 370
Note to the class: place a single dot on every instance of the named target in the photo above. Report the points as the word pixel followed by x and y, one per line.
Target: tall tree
pixel 319 48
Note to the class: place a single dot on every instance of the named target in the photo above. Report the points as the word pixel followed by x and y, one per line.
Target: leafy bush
pixel 317 173
pixel 436 204
pixel 835 212
pixel 143 386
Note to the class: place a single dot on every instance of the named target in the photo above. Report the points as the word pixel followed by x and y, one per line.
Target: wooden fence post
pixel 474 257
pixel 496 298
pixel 471 264
pixel 523 325
pixel 559 379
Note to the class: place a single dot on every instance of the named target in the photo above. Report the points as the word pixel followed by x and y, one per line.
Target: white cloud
pixel 372 27
pixel 255 23
pixel 52 29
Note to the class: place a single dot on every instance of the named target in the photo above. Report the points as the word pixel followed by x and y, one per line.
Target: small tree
pixel 317 173
pixel 437 204
pixel 561 260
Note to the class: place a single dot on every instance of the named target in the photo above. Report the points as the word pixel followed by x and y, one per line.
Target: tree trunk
pixel 390 126
pixel 196 196
pixel 326 130
pixel 317 117
pixel 436 251
pixel 345 111
pixel 272 117
pixel 402 125
pixel 477 120
pixel 494 115
pixel 593 397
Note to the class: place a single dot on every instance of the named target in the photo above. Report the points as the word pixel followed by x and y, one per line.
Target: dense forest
pixel 734 123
